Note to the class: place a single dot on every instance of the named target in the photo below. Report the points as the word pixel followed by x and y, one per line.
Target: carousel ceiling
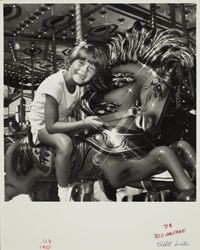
pixel 38 36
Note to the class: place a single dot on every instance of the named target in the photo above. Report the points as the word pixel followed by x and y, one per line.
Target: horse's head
pixel 160 90
pixel 154 97
pixel 151 57
pixel 162 51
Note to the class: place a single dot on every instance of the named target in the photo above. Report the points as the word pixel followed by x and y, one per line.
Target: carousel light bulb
pixel 129 90
pixel 14 6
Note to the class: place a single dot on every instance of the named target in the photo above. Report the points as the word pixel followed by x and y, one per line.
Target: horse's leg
pixel 186 153
pixel 122 172
pixel 10 192
pixel 186 150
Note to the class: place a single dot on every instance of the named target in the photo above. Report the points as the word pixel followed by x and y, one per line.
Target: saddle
pixel 44 157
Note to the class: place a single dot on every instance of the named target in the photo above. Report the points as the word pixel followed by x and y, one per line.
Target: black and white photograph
pixel 121 130
pixel 99 108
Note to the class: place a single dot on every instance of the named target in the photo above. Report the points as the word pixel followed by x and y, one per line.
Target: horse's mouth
pixel 144 122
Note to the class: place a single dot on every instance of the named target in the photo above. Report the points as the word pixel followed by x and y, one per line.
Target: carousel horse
pixel 146 68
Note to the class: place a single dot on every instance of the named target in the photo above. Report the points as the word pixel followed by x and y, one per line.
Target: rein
pixel 120 115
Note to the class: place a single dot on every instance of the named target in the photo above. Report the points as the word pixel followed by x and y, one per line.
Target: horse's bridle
pixel 132 112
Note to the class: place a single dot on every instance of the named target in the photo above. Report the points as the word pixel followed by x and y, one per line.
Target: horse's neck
pixel 125 96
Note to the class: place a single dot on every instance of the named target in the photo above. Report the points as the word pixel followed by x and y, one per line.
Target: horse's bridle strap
pixel 119 115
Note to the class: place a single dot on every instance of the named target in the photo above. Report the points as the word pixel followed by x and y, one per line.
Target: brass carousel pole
pixel 54 49
pixel 87 187
pixel 32 78
pixel 184 24
pixel 172 15
pixel 78 19
pixel 22 103
pixel 153 16
pixel 79 38
pixel 32 51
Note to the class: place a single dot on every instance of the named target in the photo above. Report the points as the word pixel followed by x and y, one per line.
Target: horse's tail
pixel 22 157
pixel 21 174
pixel 15 169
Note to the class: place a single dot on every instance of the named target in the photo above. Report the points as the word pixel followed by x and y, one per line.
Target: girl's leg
pixel 63 145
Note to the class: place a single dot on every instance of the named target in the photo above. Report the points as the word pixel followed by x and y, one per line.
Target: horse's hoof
pixel 187 195
pixel 99 192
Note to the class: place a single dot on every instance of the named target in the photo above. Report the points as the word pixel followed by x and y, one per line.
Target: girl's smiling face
pixel 82 71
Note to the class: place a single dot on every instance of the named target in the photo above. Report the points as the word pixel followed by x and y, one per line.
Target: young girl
pixel 54 102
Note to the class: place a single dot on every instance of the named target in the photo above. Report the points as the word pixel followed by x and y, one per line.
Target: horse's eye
pixel 81 62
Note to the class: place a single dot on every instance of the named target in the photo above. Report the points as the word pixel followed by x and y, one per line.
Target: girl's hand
pixel 93 122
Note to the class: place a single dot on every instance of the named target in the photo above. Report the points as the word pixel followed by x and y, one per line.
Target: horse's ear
pixel 137 25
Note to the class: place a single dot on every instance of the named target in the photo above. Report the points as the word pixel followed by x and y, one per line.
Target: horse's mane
pixel 161 50
pixel 166 52
pixel 153 48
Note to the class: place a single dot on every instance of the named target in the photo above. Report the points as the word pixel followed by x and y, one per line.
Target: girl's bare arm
pixel 55 126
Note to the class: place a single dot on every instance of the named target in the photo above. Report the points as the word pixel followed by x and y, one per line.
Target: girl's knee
pixel 64 144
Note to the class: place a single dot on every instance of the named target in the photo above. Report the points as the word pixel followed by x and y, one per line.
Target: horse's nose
pixel 144 122
pixel 138 121
pixel 147 123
